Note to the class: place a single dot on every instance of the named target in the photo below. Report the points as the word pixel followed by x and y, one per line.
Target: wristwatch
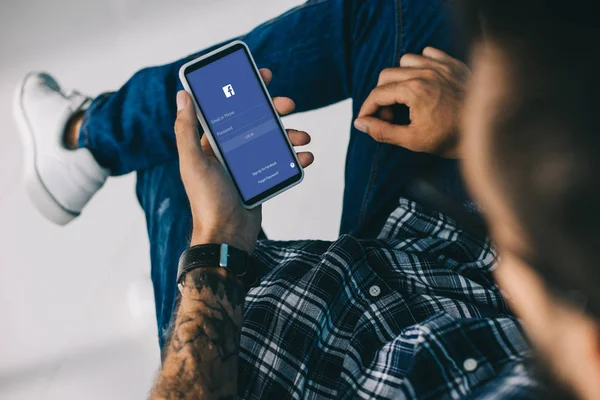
pixel 216 256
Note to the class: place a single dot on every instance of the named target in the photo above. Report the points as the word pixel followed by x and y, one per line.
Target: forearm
pixel 201 361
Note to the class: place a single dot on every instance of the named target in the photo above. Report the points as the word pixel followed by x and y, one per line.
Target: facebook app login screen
pixel 243 125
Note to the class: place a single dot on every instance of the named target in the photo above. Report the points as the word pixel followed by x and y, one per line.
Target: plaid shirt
pixel 413 314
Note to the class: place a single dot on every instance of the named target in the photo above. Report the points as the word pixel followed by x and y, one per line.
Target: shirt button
pixel 470 365
pixel 374 291
pixel 519 369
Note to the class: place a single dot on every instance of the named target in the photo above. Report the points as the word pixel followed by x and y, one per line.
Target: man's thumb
pixel 378 129
pixel 186 131
pixel 385 132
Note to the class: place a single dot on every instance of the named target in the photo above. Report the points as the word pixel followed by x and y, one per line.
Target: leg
pixel 321 52
pixel 377 174
pixel 307 49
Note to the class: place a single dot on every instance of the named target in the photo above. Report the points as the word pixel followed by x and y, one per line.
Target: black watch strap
pixel 236 261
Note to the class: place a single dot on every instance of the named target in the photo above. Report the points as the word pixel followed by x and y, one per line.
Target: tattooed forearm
pixel 201 359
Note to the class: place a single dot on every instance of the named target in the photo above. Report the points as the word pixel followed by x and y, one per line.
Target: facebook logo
pixel 228 90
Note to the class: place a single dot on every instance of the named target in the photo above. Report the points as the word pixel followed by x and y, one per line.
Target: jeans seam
pixel 373 176
pixel 398 49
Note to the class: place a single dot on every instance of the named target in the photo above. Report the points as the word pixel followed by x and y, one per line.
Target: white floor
pixel 76 310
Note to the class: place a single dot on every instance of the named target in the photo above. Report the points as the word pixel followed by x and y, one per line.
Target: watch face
pixel 224 255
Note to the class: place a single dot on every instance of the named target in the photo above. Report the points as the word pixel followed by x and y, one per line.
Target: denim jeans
pixel 320 53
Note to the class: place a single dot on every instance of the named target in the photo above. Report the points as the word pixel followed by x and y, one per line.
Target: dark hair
pixel 545 145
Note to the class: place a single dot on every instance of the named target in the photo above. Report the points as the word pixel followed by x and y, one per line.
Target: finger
pixel 266 75
pixel 447 69
pixel 418 61
pixel 459 68
pixel 306 158
pixel 390 75
pixel 437 54
pixel 384 132
pixel 186 132
pixel 284 105
pixel 387 95
pixel 298 138
pixel 206 147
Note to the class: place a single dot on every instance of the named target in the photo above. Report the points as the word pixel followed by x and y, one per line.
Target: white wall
pixel 76 309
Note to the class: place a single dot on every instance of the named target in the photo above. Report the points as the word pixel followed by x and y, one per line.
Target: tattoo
pixel 201 356
pixel 226 288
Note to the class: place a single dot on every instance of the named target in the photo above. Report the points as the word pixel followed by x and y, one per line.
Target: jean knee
pixel 160 190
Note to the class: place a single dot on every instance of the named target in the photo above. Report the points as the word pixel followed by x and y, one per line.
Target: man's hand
pixel 201 360
pixel 217 212
pixel 433 87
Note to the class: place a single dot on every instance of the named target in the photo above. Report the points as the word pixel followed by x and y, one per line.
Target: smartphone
pixel 242 125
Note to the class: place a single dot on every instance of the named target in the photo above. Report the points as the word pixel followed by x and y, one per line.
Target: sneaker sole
pixel 39 195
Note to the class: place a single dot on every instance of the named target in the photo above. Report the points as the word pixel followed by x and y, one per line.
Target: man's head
pixel 532 161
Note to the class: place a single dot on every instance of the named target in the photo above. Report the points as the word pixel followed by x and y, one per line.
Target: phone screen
pixel 244 125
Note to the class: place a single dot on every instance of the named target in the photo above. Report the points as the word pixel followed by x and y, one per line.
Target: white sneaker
pixel 58 181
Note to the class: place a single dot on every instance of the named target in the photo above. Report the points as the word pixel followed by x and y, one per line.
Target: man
pixel 403 307
pixel 530 146
pixel 531 160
